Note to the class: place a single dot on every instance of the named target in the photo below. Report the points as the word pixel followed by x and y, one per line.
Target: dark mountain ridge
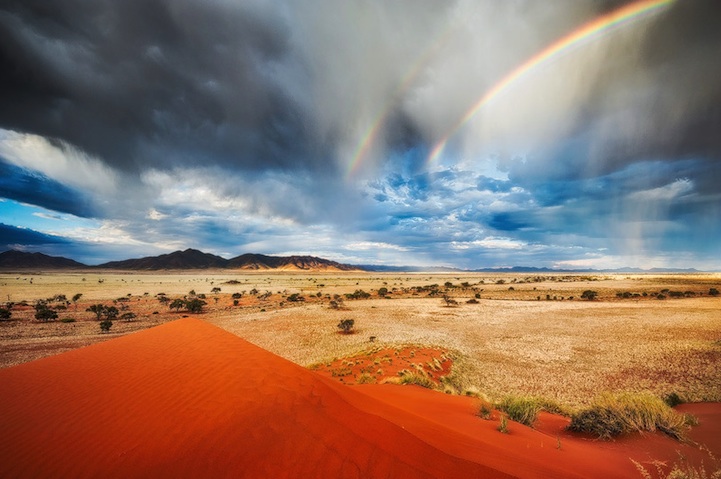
pixel 188 259
pixel 194 259
pixel 21 260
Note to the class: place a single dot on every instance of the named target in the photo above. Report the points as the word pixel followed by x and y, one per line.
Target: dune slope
pixel 188 399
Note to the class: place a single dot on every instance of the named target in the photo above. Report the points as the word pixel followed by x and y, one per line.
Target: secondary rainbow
pixel 369 137
pixel 621 16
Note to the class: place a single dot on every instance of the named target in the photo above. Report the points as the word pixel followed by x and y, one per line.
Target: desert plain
pixel 477 337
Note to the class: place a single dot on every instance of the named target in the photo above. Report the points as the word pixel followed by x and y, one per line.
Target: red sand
pixel 187 399
pixel 384 364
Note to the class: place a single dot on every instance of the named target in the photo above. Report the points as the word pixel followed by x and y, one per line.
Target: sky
pixel 407 132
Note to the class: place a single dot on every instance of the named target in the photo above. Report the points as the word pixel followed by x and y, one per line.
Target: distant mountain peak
pixel 22 260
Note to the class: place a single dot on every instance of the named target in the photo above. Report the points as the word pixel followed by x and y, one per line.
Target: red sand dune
pixel 188 399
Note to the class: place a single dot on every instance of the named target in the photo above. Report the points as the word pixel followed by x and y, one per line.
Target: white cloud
pixel 65 163
pixel 490 242
pixel 666 193
pixel 373 246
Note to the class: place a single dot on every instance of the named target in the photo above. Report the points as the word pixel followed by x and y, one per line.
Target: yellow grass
pixel 615 414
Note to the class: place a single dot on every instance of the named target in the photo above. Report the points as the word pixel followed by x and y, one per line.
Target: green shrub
pixel 105 326
pixel 613 415
pixel 346 326
pixel 521 409
pixel 589 295
pixel 45 314
pixel 673 399
pixel 503 426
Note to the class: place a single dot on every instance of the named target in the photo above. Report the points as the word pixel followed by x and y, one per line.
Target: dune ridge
pixel 188 399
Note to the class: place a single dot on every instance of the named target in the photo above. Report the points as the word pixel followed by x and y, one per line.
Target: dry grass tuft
pixel 525 409
pixel 521 409
pixel 612 415
pixel 682 469
pixel 411 377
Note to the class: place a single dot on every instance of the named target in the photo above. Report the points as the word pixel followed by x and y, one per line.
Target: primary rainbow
pixel 618 17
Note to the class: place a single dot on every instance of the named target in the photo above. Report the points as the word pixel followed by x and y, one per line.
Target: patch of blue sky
pixel 36 218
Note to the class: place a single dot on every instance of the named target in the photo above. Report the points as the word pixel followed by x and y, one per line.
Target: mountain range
pixel 178 260
pixel 191 259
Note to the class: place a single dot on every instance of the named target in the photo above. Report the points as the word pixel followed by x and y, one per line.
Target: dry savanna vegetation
pixel 570 339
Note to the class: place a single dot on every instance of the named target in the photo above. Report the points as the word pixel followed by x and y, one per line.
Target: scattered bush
pixel 589 295
pixel 5 314
pixel 98 309
pixel 67 320
pixel 713 292
pixel 358 294
pixel 449 301
pixel 43 312
pixel 105 326
pixel 346 326
pixel 195 305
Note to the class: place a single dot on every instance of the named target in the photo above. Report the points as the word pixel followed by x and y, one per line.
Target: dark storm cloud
pixel 34 188
pixel 154 83
pixel 150 82
pixel 663 102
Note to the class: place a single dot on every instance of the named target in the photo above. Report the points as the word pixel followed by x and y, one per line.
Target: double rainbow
pixel 621 16
pixel 370 134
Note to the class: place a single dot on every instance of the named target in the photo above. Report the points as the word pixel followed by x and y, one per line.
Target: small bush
pixel 346 326
pixel 45 314
pixel 67 320
pixel 613 415
pixel 485 410
pixel 365 378
pixel 589 295
pixel 105 326
pixel 673 399
pixel 503 426
pixel 521 409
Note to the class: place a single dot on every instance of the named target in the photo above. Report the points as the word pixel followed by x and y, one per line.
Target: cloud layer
pixel 304 127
